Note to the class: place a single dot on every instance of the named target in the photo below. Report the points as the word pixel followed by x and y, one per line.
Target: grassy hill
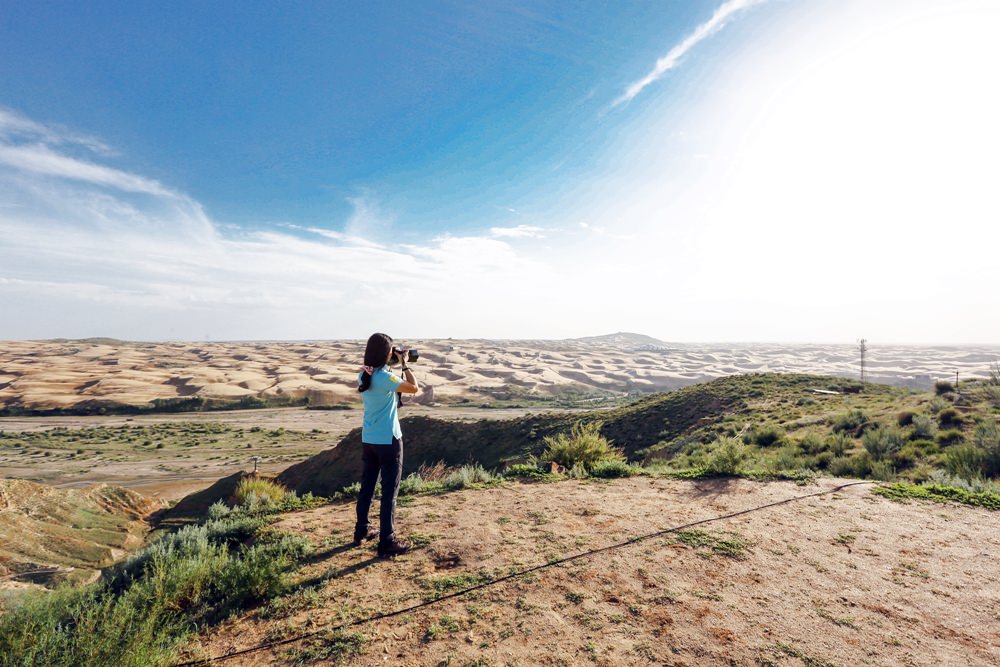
pixel 784 422
pixel 72 533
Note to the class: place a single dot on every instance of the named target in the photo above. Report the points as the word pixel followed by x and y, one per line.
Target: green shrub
pixel 950 418
pixel 882 470
pixel 937 404
pixel 265 490
pixel 414 484
pixel 987 438
pixel 611 469
pixel 841 466
pixel 882 441
pixel 923 427
pixel 468 475
pixel 839 443
pixel 861 464
pixel 949 437
pixel 973 485
pixel 584 445
pixel 785 458
pixel 822 460
pixel 813 443
pixel 906 456
pixel 901 492
pixel 965 461
pixel 727 457
pixel 528 470
pixel 767 436
pixel 854 422
pixel 943 387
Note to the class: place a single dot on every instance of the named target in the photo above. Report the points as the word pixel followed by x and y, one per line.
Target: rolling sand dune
pixel 61 374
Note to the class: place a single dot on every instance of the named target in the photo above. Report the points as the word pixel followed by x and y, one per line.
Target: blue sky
pixel 737 170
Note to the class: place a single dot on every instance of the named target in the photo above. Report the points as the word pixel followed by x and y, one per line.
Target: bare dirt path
pixel 842 579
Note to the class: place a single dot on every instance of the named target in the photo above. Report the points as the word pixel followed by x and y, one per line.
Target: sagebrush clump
pixel 583 445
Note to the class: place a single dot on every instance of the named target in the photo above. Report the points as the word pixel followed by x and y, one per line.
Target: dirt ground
pixel 847 578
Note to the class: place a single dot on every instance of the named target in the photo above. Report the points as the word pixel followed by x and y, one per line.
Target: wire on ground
pixel 498 580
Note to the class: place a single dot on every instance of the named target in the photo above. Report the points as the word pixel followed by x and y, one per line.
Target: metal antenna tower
pixel 863 346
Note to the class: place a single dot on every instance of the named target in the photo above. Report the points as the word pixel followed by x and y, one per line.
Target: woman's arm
pixel 409 384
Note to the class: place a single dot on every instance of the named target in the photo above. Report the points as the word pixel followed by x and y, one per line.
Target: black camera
pixel 397 356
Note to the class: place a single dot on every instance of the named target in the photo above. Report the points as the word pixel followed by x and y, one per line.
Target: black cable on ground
pixel 513 575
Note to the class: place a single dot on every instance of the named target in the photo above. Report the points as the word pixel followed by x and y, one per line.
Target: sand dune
pixel 44 375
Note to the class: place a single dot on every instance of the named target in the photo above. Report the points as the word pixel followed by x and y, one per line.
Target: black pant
pixel 386 460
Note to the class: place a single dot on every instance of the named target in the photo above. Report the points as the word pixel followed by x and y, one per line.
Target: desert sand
pixel 52 375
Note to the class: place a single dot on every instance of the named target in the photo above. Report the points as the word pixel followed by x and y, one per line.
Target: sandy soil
pixel 61 374
pixel 842 579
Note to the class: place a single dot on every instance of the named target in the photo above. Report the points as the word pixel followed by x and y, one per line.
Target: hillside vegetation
pixel 59 535
pixel 768 423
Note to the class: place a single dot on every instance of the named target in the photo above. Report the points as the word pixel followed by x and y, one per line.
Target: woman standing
pixel 382 442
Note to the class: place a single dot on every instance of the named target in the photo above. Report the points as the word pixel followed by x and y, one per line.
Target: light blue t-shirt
pixel 381 422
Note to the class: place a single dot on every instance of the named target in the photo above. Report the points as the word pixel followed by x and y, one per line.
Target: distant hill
pixel 624 339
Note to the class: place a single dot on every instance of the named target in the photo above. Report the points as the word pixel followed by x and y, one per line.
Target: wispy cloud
pixel 14 125
pixel 673 57
pixel 41 159
pixel 520 231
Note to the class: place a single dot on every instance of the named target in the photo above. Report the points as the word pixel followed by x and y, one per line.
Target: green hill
pixel 785 421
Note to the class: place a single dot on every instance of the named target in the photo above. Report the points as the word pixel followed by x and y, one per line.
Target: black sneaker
pixel 361 538
pixel 394 548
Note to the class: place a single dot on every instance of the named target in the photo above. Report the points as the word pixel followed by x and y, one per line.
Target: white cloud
pixel 14 125
pixel 520 231
pixel 673 57
pixel 42 160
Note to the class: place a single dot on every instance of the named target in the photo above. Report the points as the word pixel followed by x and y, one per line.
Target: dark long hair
pixel 376 352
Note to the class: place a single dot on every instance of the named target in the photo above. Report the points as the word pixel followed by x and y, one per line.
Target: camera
pixel 397 356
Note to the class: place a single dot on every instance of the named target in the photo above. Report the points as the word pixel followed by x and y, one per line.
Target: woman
pixel 382 442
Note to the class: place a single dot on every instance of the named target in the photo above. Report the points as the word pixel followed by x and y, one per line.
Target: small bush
pixel 466 476
pixel 785 458
pixel 264 489
pixel 965 461
pixel 840 466
pixel 943 387
pixel 882 470
pixel 839 443
pixel 612 469
pixel 987 438
pixel 882 442
pixel 854 422
pixel 727 457
pixel 937 404
pixel 950 418
pixel 767 436
pixel 974 485
pixel 923 427
pixel 812 443
pixel 584 445
pixel 949 438
pixel 529 470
